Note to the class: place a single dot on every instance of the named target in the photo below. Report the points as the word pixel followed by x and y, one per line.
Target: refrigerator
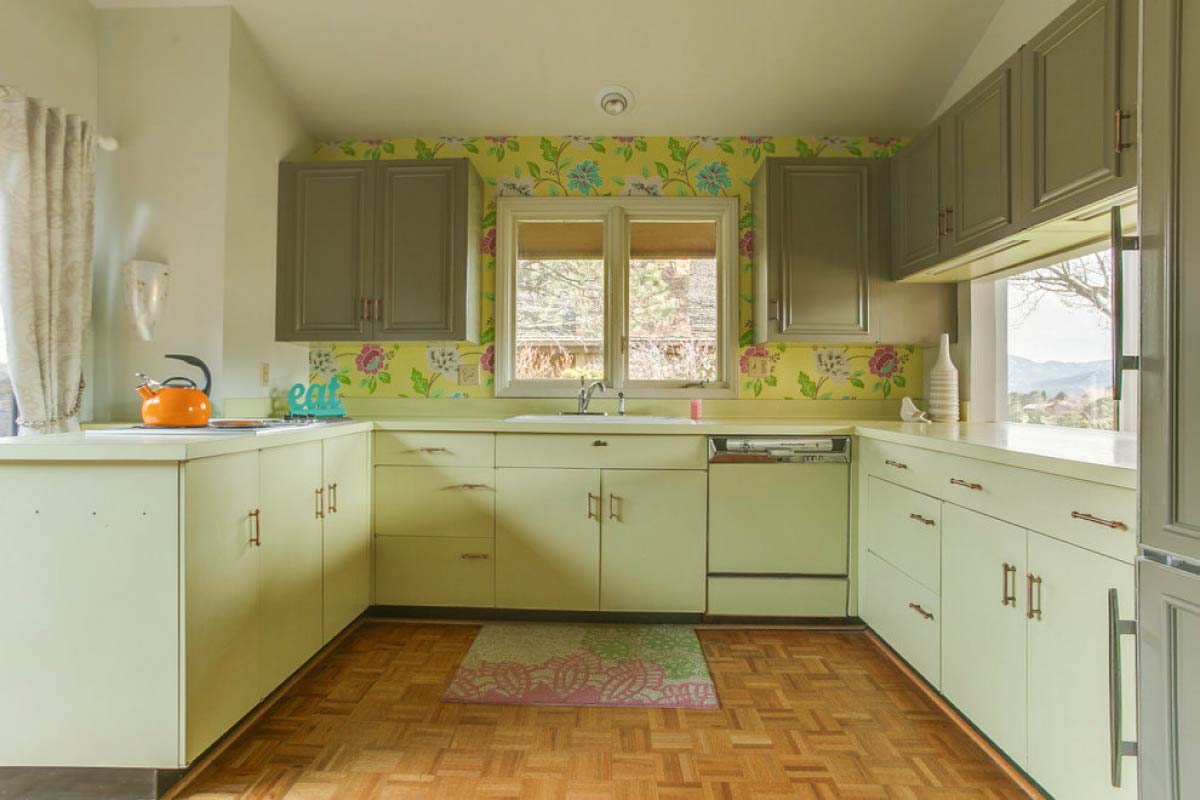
pixel 1168 569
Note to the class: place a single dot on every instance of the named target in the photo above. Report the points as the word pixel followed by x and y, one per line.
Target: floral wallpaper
pixel 618 165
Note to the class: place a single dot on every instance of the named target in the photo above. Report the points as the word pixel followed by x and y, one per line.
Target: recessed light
pixel 614 100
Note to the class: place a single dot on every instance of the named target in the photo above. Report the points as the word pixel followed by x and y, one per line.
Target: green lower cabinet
pixel 904 613
pixel 434 571
pixel 983 624
pixel 652 540
pixel 777 597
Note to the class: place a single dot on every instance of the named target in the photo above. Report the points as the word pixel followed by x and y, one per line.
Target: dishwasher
pixel 778 525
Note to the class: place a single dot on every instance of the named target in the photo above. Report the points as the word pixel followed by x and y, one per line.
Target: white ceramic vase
pixel 943 385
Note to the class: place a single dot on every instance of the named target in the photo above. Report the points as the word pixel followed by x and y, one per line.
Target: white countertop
pixel 1089 455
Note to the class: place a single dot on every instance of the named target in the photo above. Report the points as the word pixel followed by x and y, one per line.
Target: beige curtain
pixel 47 182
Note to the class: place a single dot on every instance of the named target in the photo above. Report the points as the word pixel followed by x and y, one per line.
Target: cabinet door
pixel 916 202
pixel 652 518
pixel 903 528
pixel 346 549
pixel 1069 671
pixel 548 538
pixel 435 501
pixel 1078 76
pixel 290 559
pixel 983 131
pixel 428 250
pixel 434 571
pixel 983 624
pixel 818 248
pixel 324 254
pixel 221 596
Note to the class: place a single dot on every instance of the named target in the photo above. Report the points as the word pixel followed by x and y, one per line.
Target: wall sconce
pixel 144 285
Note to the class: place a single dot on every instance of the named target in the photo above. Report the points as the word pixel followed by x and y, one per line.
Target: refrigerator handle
pixel 1117 627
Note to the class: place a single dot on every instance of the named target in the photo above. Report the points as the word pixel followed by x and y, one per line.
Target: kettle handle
pixel 195 362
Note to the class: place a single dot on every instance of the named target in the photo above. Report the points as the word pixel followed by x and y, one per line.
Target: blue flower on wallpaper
pixel 713 177
pixel 584 177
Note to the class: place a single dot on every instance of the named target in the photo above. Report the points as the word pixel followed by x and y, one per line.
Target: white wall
pixel 48 48
pixel 164 93
pixel 1015 23
pixel 263 130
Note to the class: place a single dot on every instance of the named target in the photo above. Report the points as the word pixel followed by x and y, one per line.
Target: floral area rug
pixel 552 664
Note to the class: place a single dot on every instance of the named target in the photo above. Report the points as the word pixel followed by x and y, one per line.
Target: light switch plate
pixel 758 366
pixel 468 374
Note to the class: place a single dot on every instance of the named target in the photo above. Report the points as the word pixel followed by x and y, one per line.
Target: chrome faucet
pixel 585 394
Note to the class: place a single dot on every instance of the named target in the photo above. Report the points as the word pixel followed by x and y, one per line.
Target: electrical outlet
pixel 264 373
pixel 758 366
pixel 468 374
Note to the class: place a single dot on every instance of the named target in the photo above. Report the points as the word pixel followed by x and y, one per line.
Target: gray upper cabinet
pixel 378 251
pixel 812 261
pixel 325 265
pixel 1079 117
pixel 916 202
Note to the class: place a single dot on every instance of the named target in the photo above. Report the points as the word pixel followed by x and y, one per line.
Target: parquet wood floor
pixel 805 714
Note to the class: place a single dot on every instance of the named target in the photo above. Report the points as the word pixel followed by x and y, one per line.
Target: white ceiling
pixel 375 68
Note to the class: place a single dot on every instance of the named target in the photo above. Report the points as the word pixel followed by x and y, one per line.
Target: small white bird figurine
pixel 910 413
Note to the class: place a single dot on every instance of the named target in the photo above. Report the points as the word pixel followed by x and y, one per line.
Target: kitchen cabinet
pixel 1079 114
pixel 917 202
pixel 222 630
pixel 346 553
pixel 903 528
pixel 816 234
pixel 435 501
pixel 1069 670
pixel 652 518
pixel 548 538
pixel 378 251
pixel 983 625
pixel 904 613
pixel 435 571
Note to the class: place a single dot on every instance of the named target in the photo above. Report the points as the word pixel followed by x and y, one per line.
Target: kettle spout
pixel 148 386
pixel 145 391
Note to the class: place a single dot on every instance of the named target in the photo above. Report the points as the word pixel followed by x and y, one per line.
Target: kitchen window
pixel 640 293
pixel 1058 347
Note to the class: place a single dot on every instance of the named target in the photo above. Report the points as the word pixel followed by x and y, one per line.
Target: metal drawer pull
pixel 467 486
pixel 895 464
pixel 978 487
pixel 430 450
pixel 593 514
pixel 922 520
pixel 319 512
pixel 599 443
pixel 1034 612
pixel 257 540
pixel 1117 627
pixel 365 313
pixel 333 498
pixel 474 556
pixel 917 608
pixel 1010 590
pixel 1108 523
pixel 616 507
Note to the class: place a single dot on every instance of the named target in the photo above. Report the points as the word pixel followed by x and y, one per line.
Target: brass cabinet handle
pixel 1117 746
pixel 1108 523
pixel 599 443
pixel 1009 595
pixel 1034 612
pixel 593 514
pixel 922 520
pixel 257 515
pixel 474 556
pixel 333 498
pixel 978 487
pixel 468 486
pixel 319 497
pixel 941 223
pixel 616 507
pixel 366 314
pixel 429 450
pixel 376 308
pixel 1118 145
pixel 948 215
pixel 917 608
pixel 896 464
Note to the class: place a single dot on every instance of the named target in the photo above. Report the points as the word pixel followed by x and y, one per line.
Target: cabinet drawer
pixel 602 451
pixel 434 571
pixel 777 597
pixel 435 501
pixel 904 613
pixel 904 528
pixel 908 466
pixel 435 449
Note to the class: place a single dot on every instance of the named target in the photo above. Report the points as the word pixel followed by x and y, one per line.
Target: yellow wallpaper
pixel 608 165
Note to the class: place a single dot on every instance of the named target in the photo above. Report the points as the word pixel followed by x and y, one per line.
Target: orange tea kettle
pixel 176 402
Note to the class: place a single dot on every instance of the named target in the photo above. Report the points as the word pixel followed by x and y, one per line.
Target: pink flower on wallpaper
pixel 488 243
pixel 882 141
pixel 885 362
pixel 757 351
pixel 623 139
pixel 754 139
pixel 487 359
pixel 373 142
pixel 746 244
pixel 498 139
pixel 370 360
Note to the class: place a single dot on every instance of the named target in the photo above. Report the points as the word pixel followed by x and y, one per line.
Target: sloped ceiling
pixel 374 68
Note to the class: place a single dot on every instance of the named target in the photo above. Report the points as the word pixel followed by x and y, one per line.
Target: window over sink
pixel 640 293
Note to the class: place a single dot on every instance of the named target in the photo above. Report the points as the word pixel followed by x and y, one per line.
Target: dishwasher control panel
pixel 779 449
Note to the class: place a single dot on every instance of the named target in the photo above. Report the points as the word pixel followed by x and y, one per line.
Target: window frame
pixel 616 213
